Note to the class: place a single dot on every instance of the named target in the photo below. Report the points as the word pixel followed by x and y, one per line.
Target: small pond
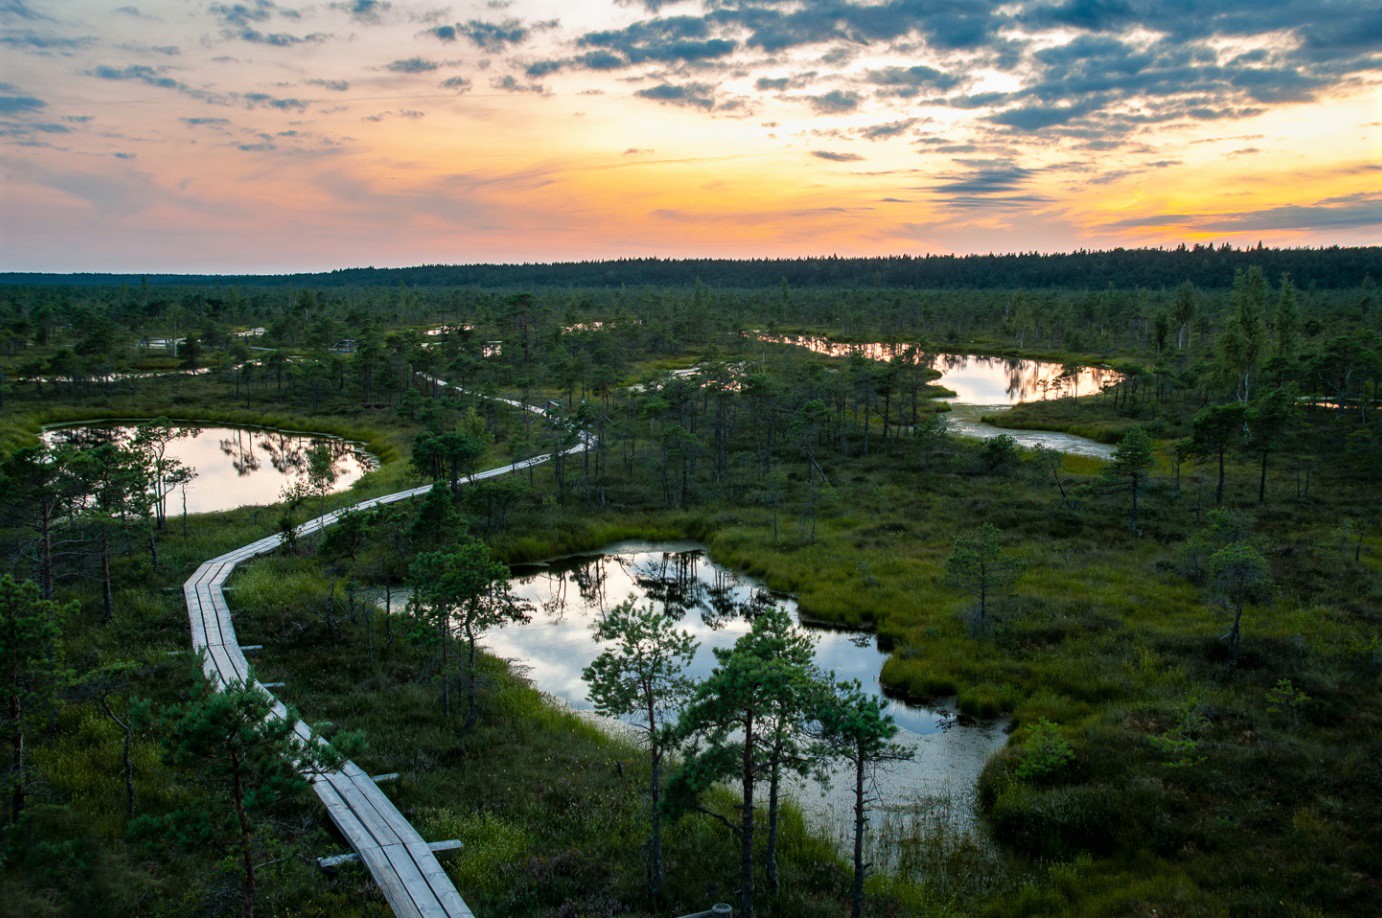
pixel 984 385
pixel 569 594
pixel 235 466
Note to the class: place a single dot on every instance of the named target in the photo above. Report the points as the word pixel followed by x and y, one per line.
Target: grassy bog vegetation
pixel 1153 764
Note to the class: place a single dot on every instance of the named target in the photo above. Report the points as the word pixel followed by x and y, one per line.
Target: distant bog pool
pixel 235 466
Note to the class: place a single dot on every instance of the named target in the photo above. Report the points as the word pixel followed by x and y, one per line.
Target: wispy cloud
pixel 1363 209
pixel 834 157
pixel 690 95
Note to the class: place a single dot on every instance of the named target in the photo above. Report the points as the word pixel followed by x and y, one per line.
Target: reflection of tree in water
pixel 1025 378
pixel 549 588
pixel 672 580
pixel 678 582
pixel 240 449
pixel 288 455
pixel 721 594
pixel 589 577
pixel 554 604
pixel 90 437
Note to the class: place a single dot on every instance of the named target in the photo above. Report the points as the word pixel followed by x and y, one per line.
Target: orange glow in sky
pixel 258 135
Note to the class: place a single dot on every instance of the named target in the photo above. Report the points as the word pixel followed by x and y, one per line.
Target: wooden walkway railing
pixel 401 862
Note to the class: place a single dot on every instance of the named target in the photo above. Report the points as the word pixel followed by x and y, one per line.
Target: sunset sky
pixel 265 136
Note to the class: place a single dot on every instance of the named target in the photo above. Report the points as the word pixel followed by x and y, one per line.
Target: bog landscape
pixel 444 470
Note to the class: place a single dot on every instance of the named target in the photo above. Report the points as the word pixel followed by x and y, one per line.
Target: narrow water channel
pixel 986 385
pixel 710 602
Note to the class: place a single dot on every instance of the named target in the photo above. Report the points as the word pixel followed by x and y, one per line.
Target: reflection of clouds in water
pixel 712 603
pixel 975 380
pixel 715 606
pixel 235 467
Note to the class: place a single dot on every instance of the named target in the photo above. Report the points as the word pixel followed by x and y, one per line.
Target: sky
pixel 275 136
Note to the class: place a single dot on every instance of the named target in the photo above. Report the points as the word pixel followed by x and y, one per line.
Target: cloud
pixel 836 157
pixel 110 193
pixel 885 131
pixel 30 41
pixel 141 73
pixel 136 13
pixel 1354 211
pixel 10 105
pixel 493 36
pixel 1094 15
pixel 508 83
pixel 778 84
pixel 407 113
pixel 908 82
pixel 689 95
pixel 951 25
pixel 412 65
pixel 457 84
pixel 277 39
pixel 987 184
pixel 367 12
pixel 993 177
pixel 1037 117
pixel 333 85
pixel 539 69
pixel 242 14
pixel 261 99
pixel 140 48
pixel 239 21
pixel 677 39
pixel 835 102
pixel 445 33
pixel 18 9
pixel 205 122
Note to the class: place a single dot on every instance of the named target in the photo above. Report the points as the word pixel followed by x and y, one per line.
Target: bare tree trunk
pixel 770 856
pixel 246 852
pixel 473 706
pixel 107 596
pixel 445 668
pixel 1219 489
pixel 125 759
pixel 746 826
pixel 655 872
pixel 857 892
pixel 1235 634
pixel 17 759
pixel 46 566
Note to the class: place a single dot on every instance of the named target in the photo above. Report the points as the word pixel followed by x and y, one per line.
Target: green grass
pixel 1096 418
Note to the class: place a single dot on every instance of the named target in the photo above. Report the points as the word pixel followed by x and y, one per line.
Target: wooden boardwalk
pixel 399 859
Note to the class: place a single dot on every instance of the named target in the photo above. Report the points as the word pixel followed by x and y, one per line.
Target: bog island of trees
pixel 1183 640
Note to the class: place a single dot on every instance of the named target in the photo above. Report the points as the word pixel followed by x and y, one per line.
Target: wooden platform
pixel 399 859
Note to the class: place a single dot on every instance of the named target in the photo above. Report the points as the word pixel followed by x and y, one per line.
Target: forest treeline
pixel 1204 265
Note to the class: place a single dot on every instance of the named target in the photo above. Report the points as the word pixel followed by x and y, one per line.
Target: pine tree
pixel 642 677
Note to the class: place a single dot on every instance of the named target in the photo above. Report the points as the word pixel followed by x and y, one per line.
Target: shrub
pixel 1046 752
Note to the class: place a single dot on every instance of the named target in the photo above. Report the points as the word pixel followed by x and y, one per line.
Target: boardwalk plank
pixel 400 861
